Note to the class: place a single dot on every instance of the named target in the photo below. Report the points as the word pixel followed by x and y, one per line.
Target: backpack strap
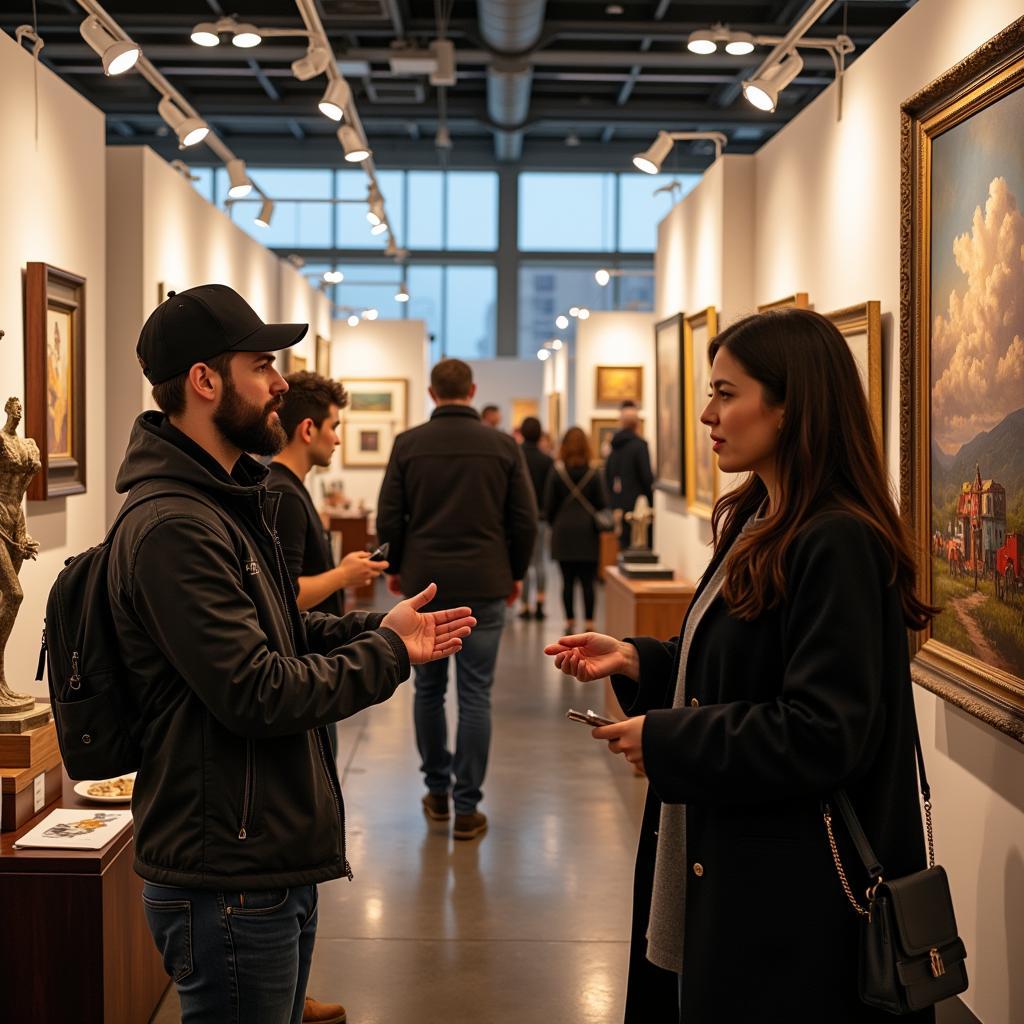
pixel 140 499
pixel 576 490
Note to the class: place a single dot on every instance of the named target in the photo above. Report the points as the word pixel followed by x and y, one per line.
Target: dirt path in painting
pixel 963 607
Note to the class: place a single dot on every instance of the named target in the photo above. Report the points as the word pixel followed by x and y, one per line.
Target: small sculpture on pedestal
pixel 19 462
pixel 638 559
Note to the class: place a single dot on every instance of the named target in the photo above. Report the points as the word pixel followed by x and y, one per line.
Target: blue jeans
pixel 235 957
pixel 474 674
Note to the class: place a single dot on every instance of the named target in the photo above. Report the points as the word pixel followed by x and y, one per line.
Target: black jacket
pixel 304 544
pixel 780 712
pixel 233 683
pixel 539 466
pixel 457 508
pixel 574 537
pixel 627 471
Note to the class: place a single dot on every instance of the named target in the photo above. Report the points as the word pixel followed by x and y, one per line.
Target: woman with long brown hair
pixel 789 681
pixel 574 491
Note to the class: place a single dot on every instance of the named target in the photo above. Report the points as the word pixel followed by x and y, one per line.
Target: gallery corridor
pixel 529 923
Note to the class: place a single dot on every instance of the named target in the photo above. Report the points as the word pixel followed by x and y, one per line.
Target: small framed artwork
pixel 601 433
pixel 378 398
pixel 55 379
pixel 323 356
pixel 861 326
pixel 670 467
pixel 555 417
pixel 797 301
pixel 701 462
pixel 522 408
pixel 617 384
pixel 366 444
pixel 296 363
pixel 961 399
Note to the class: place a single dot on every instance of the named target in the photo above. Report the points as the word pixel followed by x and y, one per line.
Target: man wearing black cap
pixel 237 806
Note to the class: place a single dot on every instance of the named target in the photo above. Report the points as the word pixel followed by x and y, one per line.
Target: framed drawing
pixel 55 379
pixel 522 408
pixel 861 326
pixel 617 384
pixel 323 356
pixel 799 301
pixel 554 425
pixel 366 444
pixel 961 376
pixel 670 468
pixel 601 433
pixel 377 411
pixel 701 462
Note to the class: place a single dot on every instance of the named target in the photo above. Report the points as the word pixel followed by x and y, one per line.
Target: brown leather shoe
pixel 469 826
pixel 435 806
pixel 315 1012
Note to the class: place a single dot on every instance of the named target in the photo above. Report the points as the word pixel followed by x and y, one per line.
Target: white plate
pixel 82 789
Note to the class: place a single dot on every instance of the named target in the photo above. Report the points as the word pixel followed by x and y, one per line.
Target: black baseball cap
pixel 195 325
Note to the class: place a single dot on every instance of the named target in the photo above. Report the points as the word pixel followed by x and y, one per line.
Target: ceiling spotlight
pixel 118 55
pixel 240 185
pixel 246 36
pixel 337 97
pixel 740 44
pixel 375 213
pixel 314 63
pixel 402 295
pixel 702 41
pixel 333 276
pixel 556 344
pixel 602 277
pixel 189 130
pixel 561 321
pixel 371 313
pixel 206 34
pixel 574 311
pixel 353 320
pixel 544 355
pixel 379 229
pixel 584 313
pixel 651 159
pixel 356 151
pixel 763 92
pixel 262 219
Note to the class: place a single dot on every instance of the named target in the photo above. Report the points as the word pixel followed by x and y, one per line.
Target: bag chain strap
pixel 839 867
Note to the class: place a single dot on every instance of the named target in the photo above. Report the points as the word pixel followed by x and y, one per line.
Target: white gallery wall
pixel 824 218
pixel 500 381
pixel 52 210
pixel 379 349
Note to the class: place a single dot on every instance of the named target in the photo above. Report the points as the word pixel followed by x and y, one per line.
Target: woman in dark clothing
pixel 575 542
pixel 790 680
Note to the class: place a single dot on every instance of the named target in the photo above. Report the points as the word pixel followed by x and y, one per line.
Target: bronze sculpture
pixel 19 462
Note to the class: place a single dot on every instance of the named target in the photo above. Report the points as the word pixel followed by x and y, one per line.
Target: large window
pixel 298 218
pixel 351 226
pixel 561 212
pixel 644 199
pixel 547 291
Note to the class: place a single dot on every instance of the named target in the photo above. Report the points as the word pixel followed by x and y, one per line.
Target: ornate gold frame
pixel 798 301
pixel 866 318
pixel 709 318
pixel 986 76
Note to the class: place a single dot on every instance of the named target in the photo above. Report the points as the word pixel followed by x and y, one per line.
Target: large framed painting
pixel 618 384
pixel 522 408
pixel 796 301
pixel 377 411
pixel 670 468
pixel 701 461
pixel 555 417
pixel 861 326
pixel 55 379
pixel 962 376
pixel 602 430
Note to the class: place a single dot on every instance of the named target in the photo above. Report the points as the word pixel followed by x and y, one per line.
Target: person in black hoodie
pixel 539 465
pixel 627 470
pixel 573 493
pixel 237 808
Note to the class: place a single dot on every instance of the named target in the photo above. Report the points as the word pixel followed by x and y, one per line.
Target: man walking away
pixel 490 416
pixel 456 506
pixel 538 464
pixel 627 471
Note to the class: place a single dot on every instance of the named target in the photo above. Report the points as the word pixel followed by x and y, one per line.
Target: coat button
pixel 698 870
pixel 694 703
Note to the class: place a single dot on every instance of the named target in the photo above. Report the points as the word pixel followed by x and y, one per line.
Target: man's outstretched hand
pixel 429 635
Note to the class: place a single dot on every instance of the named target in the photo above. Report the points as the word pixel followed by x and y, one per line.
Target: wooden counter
pixel 74 944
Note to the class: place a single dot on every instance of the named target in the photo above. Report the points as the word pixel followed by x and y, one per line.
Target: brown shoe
pixel 435 806
pixel 315 1012
pixel 469 826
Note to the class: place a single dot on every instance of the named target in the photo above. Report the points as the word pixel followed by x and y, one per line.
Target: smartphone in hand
pixel 381 554
pixel 590 718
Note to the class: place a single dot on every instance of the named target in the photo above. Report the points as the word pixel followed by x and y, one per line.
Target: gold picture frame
pixel 701 461
pixel 798 300
pixel 378 407
pixel 861 326
pixel 322 356
pixel 670 406
pixel 617 384
pixel 602 429
pixel 554 424
pixel 953 134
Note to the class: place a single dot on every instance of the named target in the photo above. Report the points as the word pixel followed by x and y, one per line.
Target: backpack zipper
pixel 42 656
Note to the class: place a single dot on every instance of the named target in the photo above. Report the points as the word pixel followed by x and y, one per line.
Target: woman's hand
pixel 588 656
pixel 625 738
pixel 356 569
pixel 429 636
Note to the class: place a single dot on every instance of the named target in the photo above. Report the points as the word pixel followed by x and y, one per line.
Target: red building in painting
pixel 981 519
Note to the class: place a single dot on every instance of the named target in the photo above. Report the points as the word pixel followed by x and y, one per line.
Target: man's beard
pixel 247 426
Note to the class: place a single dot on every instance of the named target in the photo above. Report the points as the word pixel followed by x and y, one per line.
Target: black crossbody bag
pixel 911 956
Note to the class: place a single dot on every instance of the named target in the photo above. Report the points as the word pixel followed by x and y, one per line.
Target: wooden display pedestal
pixel 74 945
pixel 639 607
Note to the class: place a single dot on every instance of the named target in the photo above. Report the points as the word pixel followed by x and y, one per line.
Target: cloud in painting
pixel 978 343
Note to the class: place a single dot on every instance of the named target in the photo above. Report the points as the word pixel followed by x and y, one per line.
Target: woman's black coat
pixel 574 537
pixel 811 696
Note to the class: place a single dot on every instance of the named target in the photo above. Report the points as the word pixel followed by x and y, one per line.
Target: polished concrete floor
pixel 528 923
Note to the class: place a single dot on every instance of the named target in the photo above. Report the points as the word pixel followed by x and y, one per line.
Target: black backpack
pixel 90 693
